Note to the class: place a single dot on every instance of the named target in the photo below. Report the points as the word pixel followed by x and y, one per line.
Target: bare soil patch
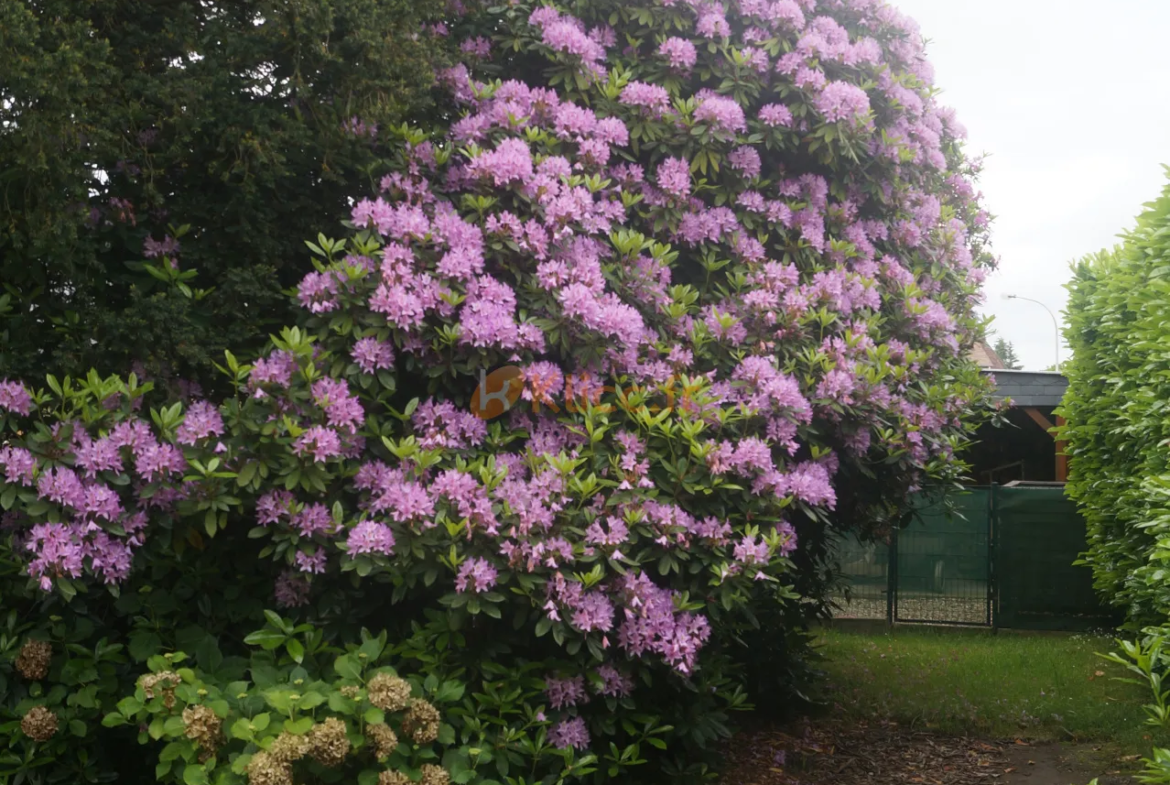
pixel 884 753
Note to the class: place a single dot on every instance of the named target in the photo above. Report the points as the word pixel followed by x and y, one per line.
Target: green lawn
pixel 1041 687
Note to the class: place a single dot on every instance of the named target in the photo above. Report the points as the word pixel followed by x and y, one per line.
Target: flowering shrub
pixel 366 723
pixel 1116 429
pixel 752 222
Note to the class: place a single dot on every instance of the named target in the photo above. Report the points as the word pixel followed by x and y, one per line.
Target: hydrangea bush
pixel 715 266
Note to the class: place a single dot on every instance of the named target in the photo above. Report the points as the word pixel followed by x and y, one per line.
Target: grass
pixel 1042 687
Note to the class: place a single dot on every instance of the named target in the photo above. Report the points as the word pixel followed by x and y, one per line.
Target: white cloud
pixel 1068 99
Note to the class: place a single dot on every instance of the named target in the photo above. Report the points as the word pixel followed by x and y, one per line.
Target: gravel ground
pixel 928 608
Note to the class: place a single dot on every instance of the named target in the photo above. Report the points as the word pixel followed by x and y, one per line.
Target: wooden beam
pixel 1061 458
pixel 1040 419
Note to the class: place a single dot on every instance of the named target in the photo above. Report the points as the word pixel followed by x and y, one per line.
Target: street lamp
pixel 1055 323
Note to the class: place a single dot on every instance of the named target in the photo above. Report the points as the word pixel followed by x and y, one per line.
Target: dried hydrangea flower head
pixel 328 742
pixel 289 748
pixel 382 738
pixel 394 778
pixel 33 661
pixel 264 769
pixel 434 775
pixel 39 724
pixel 204 728
pixel 389 693
pixel 161 683
pixel 421 722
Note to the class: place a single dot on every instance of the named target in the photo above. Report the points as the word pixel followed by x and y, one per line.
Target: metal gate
pixel 999 556
pixel 942 563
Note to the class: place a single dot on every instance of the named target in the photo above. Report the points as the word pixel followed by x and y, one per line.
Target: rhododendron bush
pixel 731 252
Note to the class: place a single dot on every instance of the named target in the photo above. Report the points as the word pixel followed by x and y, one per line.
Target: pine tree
pixel 1007 353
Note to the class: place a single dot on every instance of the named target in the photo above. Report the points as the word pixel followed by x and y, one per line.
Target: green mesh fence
pixel 944 562
pixel 1039 534
pixel 998 556
pixel 865 569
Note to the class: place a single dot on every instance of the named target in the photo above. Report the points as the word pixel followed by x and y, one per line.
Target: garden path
pixel 884 753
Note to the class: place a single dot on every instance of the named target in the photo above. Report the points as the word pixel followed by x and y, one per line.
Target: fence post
pixel 992 560
pixel 892 580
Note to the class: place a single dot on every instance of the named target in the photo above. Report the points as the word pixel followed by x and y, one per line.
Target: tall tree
pixel 161 163
pixel 1007 353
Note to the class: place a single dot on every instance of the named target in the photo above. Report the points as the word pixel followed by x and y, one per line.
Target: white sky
pixel 1071 100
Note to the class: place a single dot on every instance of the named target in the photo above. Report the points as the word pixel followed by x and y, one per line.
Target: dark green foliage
pixel 1116 407
pixel 121 118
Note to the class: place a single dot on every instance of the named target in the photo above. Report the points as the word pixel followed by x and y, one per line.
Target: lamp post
pixel 1055 323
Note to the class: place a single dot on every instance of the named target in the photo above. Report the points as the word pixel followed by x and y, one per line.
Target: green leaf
pixel 372 648
pixel 296 650
pixel 247 473
pixel 347 667
pixel 113 720
pixel 129 706
pixel 208 655
pixel 194 775
pixel 299 727
pixel 266 639
pixel 310 700
pixel 143 644
pixel 276 621
pixel 241 729
pixel 172 751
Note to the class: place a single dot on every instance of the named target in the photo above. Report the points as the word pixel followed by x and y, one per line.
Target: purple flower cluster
pixel 722 114
pixel 96 527
pixel 202 420
pixel 154 249
pixel 477 575
pixel 570 733
pixel 14 397
pixel 343 411
pixel 679 53
pixel 19 465
pixel 565 692
pixel 653 624
pixel 373 355
pixel 566 34
pixel 654 100
pixel 370 537
pixel 843 102
pixel 776 115
pixel 674 177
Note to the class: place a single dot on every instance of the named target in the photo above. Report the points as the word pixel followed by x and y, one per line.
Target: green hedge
pixel 1118 412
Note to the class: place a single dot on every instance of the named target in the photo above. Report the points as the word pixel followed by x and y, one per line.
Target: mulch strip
pixel 877 753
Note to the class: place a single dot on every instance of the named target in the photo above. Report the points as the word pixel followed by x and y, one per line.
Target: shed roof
pixel 1029 388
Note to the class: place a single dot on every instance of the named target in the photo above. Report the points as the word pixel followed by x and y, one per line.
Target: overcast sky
pixel 1071 101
